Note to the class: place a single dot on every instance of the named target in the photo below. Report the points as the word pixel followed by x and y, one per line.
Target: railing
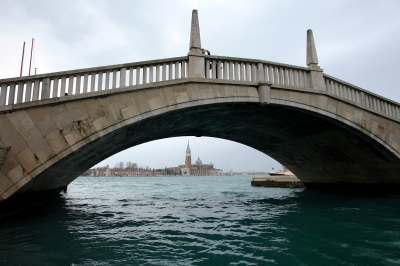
pixel 239 69
pixel 39 87
pixel 362 97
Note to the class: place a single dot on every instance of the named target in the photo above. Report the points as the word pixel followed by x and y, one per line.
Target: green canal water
pixel 201 221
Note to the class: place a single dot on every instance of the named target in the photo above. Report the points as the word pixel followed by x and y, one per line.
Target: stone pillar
pixel 316 77
pixel 264 89
pixel 196 66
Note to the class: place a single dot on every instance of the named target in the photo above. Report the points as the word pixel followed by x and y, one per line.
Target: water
pixel 201 221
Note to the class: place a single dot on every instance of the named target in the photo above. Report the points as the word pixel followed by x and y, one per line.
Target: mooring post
pixel 196 68
pixel 316 77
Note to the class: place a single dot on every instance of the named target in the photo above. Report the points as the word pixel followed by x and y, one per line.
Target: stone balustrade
pixel 52 85
pixel 362 97
pixel 240 69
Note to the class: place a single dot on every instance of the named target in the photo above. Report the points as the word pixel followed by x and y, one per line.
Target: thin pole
pixel 22 62
pixel 30 61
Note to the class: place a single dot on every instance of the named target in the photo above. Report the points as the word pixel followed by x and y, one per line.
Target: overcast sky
pixel 357 41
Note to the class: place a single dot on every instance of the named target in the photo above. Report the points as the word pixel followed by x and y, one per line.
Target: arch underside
pixel 319 150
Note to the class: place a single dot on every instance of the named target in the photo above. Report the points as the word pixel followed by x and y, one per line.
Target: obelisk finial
pixel 312 58
pixel 195 42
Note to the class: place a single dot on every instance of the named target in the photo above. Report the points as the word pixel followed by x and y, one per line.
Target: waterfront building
pixel 198 168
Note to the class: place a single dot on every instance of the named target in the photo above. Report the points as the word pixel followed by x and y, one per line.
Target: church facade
pixel 198 168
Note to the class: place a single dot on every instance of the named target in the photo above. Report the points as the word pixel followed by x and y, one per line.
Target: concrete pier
pixel 278 181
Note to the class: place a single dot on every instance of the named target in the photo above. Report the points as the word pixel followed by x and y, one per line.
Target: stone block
pixel 193 91
pixel 35 139
pixel 168 96
pixel 15 174
pixel 206 92
pixel 5 183
pixel 76 110
pixel 10 136
pixel 93 109
pixel 21 121
pixel 242 91
pixel 55 110
pixel 141 102
pixel 113 113
pixel 73 137
pixel 42 120
pixel 129 112
pixel 64 121
pixel 101 123
pixel 230 91
pixel 180 96
pixel 123 100
pixel 64 153
pixel 155 103
pixel 57 141
pixel 45 154
pixel 252 92
pixel 28 160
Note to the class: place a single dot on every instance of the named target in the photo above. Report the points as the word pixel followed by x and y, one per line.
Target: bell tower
pixel 188 161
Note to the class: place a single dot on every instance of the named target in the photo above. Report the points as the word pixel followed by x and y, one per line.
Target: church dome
pixel 199 161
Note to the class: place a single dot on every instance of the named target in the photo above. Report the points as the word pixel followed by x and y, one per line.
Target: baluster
pixel 170 71
pixel 145 74
pixel 151 74
pixel 11 94
pixel 107 85
pixel 36 88
pixel 20 92
pixel 271 74
pixel 248 72
pixel 55 88
pixel 237 66
pixel 230 70
pixel 92 82
pixel 164 72
pixel 114 79
pixel 158 73
pixel 219 70
pixel 100 81
pixel 291 77
pixel 254 72
pixel 137 75
pixel 85 83
pixel 3 94
pixel 176 70
pixel 225 69
pixel 28 91
pixel 131 76
pixel 70 85
pixel 208 68
pixel 214 69
pixel 122 78
pixel 78 84
pixel 242 71
pixel 63 83
pixel 281 76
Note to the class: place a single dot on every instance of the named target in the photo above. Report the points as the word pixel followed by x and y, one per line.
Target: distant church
pixel 197 169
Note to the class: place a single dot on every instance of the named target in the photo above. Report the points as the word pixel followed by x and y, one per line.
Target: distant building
pixel 196 169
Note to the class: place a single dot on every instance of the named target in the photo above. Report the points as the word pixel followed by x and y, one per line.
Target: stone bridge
pixel 331 134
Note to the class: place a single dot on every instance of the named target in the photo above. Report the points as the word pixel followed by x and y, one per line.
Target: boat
pixel 283 172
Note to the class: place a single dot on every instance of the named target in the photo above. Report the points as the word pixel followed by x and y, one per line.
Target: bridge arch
pixel 324 140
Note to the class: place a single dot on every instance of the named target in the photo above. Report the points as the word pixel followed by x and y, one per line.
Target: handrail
pixel 51 85
pixel 362 97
